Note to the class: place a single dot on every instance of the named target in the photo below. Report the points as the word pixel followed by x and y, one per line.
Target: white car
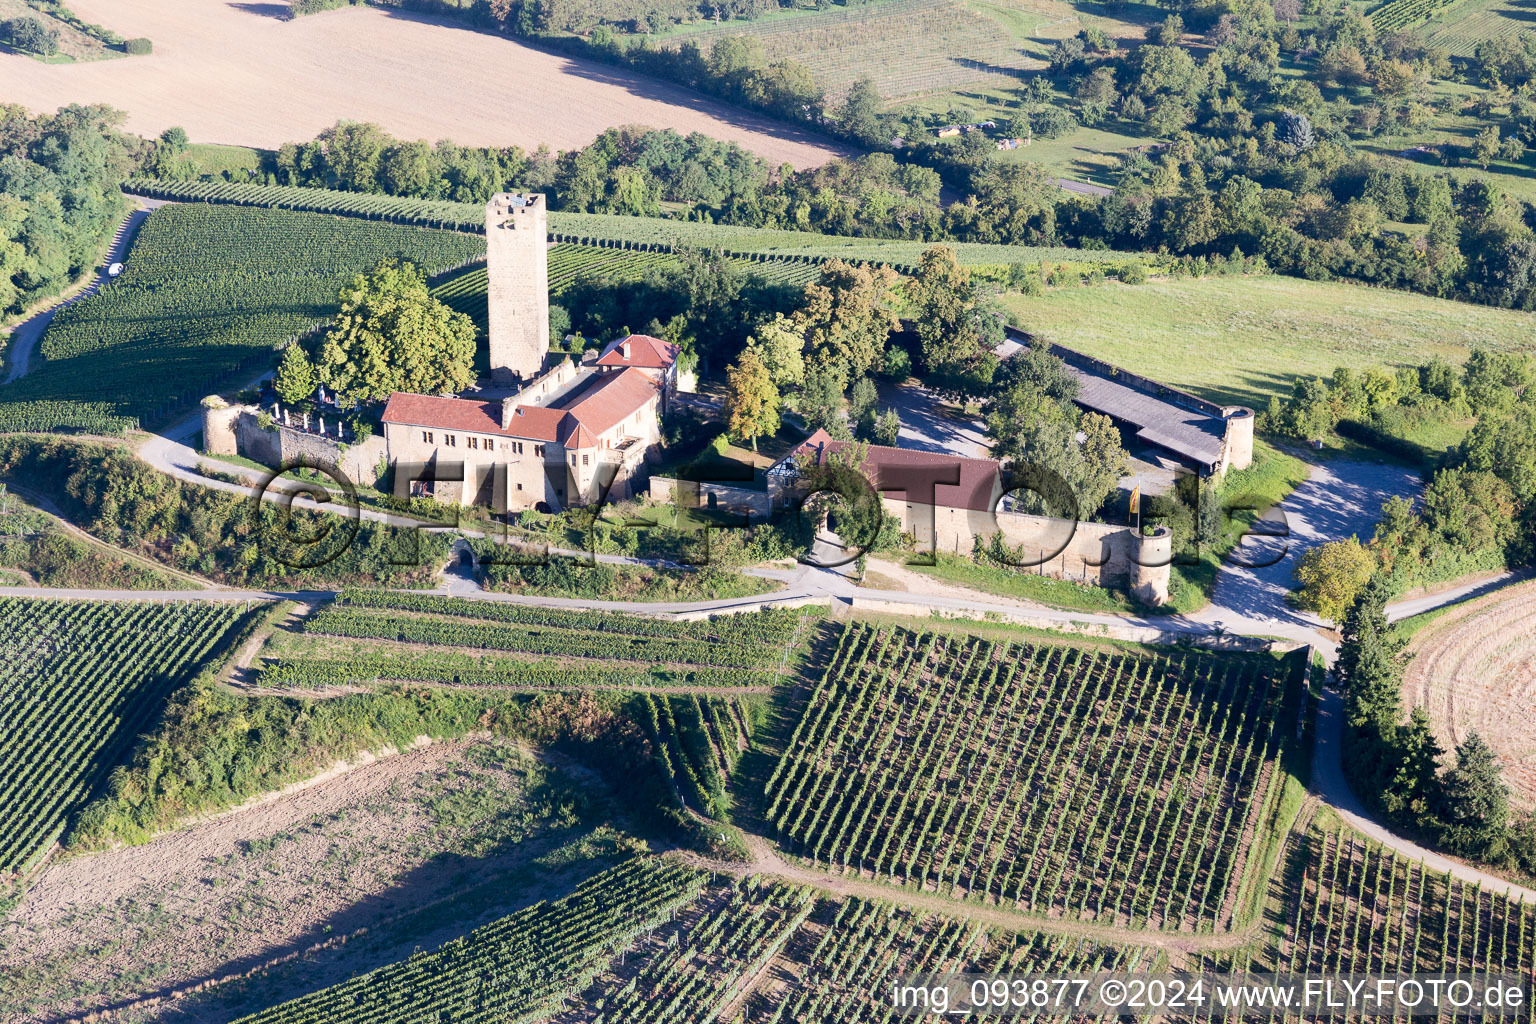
pixel 114 270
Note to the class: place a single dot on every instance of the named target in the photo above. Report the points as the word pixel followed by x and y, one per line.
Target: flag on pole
pixel 1136 500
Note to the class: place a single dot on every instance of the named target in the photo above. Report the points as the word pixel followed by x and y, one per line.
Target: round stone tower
pixel 1152 565
pixel 219 420
pixel 1238 449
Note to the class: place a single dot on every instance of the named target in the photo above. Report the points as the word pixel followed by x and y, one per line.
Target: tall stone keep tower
pixel 517 289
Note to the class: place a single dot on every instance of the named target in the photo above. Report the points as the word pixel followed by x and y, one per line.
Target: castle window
pixel 490 444
pixel 450 440
pixel 538 450
pixel 474 442
pixel 584 459
pixel 426 437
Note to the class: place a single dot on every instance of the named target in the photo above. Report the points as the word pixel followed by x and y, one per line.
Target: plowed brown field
pixel 235 72
pixel 1475 669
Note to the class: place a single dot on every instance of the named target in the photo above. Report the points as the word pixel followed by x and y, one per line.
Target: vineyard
pixel 775 252
pixel 1350 906
pixel 78 682
pixel 208 292
pixel 1460 28
pixel 515 969
pixel 770 953
pixel 1400 14
pixel 1095 784
pixel 433 213
pixel 371 666
pixel 697 742
pixel 863 944
pixel 691 975
pixel 758 640
pixel 905 47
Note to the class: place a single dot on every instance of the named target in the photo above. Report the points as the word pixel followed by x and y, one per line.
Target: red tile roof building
pixel 972 484
pixel 557 442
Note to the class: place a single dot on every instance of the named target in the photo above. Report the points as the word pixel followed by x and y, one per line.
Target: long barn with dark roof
pixel 1200 435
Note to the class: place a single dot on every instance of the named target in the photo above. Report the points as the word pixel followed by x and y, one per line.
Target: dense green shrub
pixel 115 497
pixel 138 47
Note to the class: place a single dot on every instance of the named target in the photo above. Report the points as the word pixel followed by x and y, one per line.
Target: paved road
pixel 928 426
pixel 25 335
pixel 1330 783
pixel 1341 498
pixel 1083 188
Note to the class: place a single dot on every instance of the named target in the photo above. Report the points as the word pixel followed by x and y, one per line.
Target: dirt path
pixel 237 73
pixel 765 861
pixel 25 335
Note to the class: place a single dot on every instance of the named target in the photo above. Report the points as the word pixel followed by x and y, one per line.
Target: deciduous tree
pixel 392 335
pixel 752 401
pixel 1332 575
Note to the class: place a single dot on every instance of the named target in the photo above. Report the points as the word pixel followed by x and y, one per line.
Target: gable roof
pixel 1176 421
pixel 975 489
pixel 445 413
pixel 612 399
pixel 644 351
pixel 575 422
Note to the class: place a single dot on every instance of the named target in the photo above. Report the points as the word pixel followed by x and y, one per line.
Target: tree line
pixel 1306 204
pixel 59 200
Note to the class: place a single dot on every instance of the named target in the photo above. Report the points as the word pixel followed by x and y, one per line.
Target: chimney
pixel 624 351
pixel 507 405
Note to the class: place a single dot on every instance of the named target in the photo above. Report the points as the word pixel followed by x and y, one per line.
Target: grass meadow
pixel 1241 339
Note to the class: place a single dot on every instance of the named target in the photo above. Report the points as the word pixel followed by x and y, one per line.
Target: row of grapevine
pixel 514 970
pixel 1399 14
pixel 549 641
pixel 1103 784
pixel 771 628
pixel 706 964
pixel 696 741
pixel 208 293
pixel 79 681
pixel 369 668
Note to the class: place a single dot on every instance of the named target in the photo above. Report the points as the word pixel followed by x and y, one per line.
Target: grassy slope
pixel 1244 339
pixel 74 45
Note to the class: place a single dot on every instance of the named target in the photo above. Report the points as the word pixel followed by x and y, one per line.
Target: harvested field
pixel 1475 669
pixel 237 73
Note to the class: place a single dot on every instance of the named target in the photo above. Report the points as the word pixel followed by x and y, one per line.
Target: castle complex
pixel 567 434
